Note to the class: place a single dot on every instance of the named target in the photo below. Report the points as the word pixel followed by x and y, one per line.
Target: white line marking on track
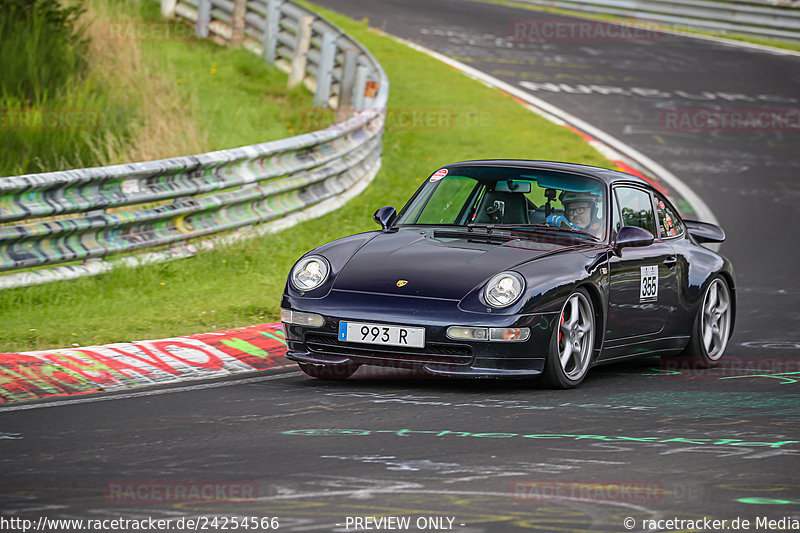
pixel 154 392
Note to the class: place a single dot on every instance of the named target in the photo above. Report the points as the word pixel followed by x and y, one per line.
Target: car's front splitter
pixel 387 367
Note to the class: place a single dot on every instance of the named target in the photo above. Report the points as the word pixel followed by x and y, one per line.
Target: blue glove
pixel 560 221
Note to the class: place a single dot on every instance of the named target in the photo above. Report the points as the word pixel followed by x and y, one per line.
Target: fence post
pixel 360 88
pixel 237 22
pixel 325 72
pixel 269 41
pixel 302 43
pixel 168 8
pixel 348 79
pixel 203 18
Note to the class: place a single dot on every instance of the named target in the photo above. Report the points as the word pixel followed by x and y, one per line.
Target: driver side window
pixel 636 208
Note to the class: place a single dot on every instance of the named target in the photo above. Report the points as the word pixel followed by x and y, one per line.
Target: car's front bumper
pixel 441 356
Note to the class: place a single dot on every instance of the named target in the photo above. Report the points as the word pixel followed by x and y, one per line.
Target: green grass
pixel 48 104
pixel 61 131
pixel 242 284
pixel 240 98
pixel 42 46
pixel 146 89
pixel 773 43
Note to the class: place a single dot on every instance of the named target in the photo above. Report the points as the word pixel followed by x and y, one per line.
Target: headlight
pixel 310 273
pixel 504 289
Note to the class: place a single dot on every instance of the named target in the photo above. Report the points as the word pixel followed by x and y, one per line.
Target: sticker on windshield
pixel 648 291
pixel 439 174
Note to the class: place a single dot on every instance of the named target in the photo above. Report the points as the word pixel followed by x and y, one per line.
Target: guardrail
pixel 103 212
pixel 780 20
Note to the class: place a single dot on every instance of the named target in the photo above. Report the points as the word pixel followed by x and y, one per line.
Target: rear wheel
pixel 328 371
pixel 712 325
pixel 572 343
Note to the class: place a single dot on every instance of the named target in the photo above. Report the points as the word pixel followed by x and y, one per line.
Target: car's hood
pixel 434 266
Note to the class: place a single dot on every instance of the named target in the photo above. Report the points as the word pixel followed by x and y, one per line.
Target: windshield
pixel 509 197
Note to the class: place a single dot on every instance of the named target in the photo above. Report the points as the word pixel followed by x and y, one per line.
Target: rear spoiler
pixel 705 232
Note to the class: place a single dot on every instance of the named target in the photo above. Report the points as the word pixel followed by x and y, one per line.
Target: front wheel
pixel 712 325
pixel 328 371
pixel 572 343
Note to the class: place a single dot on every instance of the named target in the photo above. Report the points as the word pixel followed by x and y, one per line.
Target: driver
pixel 581 211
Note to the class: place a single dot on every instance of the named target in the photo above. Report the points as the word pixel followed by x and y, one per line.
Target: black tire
pixel 328 372
pixel 712 325
pixel 577 339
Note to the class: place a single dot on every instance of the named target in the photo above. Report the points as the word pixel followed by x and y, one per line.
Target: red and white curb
pixel 122 366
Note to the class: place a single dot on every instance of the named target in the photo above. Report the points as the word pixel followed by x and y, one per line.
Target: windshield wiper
pixel 504 234
pixel 539 228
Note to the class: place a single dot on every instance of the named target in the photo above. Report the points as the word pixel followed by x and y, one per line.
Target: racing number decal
pixel 648 290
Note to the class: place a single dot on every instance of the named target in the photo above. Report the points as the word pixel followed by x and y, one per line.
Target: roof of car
pixel 605 174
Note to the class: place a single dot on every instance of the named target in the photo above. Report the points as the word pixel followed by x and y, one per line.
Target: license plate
pixel 382 334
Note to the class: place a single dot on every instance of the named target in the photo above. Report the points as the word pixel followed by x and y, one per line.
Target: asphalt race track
pixel 648 441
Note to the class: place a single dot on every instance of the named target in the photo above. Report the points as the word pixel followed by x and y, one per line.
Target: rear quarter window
pixel 669 222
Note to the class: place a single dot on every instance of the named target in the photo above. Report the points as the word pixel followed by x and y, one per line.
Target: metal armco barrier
pixel 160 205
pixel 780 21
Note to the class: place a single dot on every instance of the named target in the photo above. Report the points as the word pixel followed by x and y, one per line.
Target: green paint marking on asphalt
pixel 784 376
pixel 652 372
pixel 328 432
pixel 768 501
pixel 281 339
pixel 246 347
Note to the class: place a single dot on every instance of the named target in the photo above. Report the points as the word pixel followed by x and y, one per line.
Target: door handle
pixel 670 261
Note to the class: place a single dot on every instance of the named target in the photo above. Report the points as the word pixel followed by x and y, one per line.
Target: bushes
pixel 41 47
pixel 43 100
pixel 91 85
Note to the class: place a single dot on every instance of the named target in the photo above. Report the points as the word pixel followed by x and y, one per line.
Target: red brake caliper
pixel 559 329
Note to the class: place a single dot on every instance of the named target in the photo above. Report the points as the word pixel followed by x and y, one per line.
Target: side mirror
pixel 385 216
pixel 633 236
pixel 704 232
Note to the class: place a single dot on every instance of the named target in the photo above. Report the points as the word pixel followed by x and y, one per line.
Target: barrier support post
pixel 203 18
pixel 360 87
pixel 348 79
pixel 301 47
pixel 237 22
pixel 269 40
pixel 325 72
pixel 168 8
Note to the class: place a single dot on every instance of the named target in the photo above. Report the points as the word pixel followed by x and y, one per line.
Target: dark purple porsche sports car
pixel 513 269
